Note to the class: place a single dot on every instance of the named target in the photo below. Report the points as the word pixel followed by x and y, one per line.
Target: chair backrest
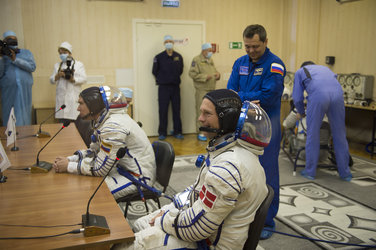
pixel 164 157
pixel 257 225
pixel 85 129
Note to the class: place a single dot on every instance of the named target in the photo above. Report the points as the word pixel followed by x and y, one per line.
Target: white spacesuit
pixel 112 130
pixel 297 139
pixel 222 202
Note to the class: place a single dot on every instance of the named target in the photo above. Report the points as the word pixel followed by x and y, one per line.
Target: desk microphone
pixel 42 134
pixel 44 167
pixel 97 224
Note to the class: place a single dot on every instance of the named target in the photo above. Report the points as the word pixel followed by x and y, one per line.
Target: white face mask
pixel 209 55
pixel 169 45
pixel 63 57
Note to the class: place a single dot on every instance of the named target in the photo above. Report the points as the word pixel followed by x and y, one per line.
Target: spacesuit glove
pixel 166 221
pixel 73 158
pixel 81 154
pixel 72 167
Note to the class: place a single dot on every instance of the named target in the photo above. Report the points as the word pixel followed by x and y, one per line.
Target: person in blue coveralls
pixel 258 77
pixel 167 68
pixel 325 96
pixel 16 80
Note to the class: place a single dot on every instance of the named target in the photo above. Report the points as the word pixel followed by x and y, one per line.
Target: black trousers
pixel 167 94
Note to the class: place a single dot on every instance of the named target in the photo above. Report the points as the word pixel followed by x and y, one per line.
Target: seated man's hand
pixel 60 164
pixel 153 219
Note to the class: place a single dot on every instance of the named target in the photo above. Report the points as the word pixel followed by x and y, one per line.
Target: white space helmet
pixel 112 97
pixel 254 125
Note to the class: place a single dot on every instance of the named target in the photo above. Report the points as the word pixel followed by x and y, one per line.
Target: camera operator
pixel 68 75
pixel 16 80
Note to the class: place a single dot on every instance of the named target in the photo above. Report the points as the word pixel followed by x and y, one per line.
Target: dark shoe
pixel 305 175
pixel 161 137
pixel 265 233
pixel 179 136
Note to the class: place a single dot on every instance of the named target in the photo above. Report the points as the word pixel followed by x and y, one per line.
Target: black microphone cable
pixel 18 225
pixel 75 231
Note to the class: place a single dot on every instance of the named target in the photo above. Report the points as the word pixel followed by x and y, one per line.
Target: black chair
pixel 257 225
pixel 164 157
pixel 85 129
pixel 288 136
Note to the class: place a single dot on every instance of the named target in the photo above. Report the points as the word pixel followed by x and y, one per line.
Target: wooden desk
pixel 54 199
pixel 371 108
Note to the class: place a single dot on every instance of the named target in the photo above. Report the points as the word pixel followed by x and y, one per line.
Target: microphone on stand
pixel 97 224
pixel 42 134
pixel 42 166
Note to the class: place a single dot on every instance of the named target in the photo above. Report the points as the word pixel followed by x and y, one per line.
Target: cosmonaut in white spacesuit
pixel 230 187
pixel 113 129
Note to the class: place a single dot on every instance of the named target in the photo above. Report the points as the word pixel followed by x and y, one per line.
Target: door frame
pixel 135 22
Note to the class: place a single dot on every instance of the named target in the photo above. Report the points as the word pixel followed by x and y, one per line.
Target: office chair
pixel 164 157
pixel 257 225
pixel 85 129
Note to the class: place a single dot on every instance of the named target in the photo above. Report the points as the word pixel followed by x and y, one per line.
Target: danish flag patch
pixel 207 197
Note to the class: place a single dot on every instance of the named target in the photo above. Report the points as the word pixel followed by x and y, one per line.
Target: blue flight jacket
pixel 263 81
pixel 259 81
pixel 167 69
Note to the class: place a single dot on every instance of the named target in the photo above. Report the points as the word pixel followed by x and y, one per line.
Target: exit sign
pixel 235 45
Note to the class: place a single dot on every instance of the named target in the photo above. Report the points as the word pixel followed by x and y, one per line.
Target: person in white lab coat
pixel 68 76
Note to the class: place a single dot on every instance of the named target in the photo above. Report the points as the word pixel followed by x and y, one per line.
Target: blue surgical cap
pixel 206 46
pixel 8 33
pixel 167 37
pixel 127 92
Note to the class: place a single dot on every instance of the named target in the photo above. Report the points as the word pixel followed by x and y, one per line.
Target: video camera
pixel 5 50
pixel 68 72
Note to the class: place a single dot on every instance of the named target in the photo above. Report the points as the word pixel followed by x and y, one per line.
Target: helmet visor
pixel 113 97
pixel 254 125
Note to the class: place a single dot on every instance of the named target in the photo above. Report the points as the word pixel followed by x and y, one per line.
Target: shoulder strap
pixel 307 73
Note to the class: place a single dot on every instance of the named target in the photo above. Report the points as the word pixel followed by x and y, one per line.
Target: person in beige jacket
pixel 205 76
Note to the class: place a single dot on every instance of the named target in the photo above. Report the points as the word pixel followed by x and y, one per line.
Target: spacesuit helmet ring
pixel 254 125
pixel 113 97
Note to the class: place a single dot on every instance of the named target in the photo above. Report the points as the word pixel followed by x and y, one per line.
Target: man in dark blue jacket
pixel 167 68
pixel 258 77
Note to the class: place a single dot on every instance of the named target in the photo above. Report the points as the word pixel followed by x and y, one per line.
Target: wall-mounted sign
pixel 171 3
pixel 235 45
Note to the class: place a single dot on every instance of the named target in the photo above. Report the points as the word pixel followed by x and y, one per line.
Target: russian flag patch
pixel 207 197
pixel 106 147
pixel 277 68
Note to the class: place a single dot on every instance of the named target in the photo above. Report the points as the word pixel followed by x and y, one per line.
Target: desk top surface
pixel 48 199
pixel 371 107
